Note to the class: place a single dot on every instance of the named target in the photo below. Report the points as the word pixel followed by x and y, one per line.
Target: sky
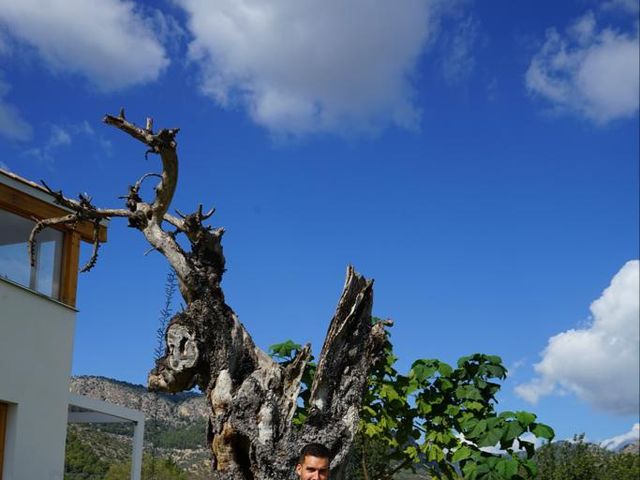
pixel 479 160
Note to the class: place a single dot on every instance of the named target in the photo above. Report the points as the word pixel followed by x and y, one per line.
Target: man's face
pixel 313 468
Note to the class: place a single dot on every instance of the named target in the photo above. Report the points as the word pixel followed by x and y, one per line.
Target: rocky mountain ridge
pixel 172 409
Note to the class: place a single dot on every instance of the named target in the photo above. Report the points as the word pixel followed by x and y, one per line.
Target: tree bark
pixel 252 398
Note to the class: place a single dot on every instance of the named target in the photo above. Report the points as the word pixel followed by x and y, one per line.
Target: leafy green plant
pixel 437 419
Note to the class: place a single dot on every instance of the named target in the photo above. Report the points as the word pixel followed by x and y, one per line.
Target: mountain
pixel 173 409
pixel 175 427
pixel 633 447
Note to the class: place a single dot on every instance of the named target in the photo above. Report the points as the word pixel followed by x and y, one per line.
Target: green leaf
pixel 490 438
pixel 531 467
pixel 525 418
pixel 461 453
pixel 372 429
pixel 444 369
pixel 496 371
pixel 463 360
pixel 452 410
pixel 543 431
pixel 478 430
pixel 421 370
pixel 468 422
pixel 480 383
pixel 389 392
pixel 495 359
pixel 471 470
pixel 435 453
pixel 468 392
pixel 370 411
pixel 444 384
pixel 412 452
pixel 512 431
pixel 476 406
pixel 507 468
pixel 284 350
pixel 424 408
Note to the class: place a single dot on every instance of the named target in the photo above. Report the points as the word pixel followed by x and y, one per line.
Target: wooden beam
pixel 27 206
pixel 70 265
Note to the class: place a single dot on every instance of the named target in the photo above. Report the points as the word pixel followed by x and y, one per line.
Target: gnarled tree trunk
pixel 252 399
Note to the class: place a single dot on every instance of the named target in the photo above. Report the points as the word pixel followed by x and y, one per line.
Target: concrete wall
pixel 36 344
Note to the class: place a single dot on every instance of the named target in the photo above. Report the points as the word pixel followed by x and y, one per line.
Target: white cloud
pixel 625 6
pixel 618 441
pixel 12 125
pixel 595 73
pixel 60 137
pixel 299 67
pixel 4 47
pixel 458 59
pixel 108 41
pixel 600 363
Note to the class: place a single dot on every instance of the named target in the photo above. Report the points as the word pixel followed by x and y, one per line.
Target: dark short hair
pixel 314 450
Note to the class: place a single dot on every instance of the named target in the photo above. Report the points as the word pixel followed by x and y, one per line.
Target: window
pixel 15 264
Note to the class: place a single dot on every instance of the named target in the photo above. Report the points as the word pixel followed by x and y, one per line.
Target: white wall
pixel 36 343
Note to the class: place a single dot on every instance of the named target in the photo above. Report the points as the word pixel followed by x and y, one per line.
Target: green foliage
pixel 284 353
pixel 436 419
pixel 161 435
pixel 95 450
pixel 152 469
pixel 80 461
pixel 166 312
pixel 440 417
pixel 579 460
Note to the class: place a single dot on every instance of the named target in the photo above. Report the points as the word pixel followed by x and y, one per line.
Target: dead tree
pixel 252 398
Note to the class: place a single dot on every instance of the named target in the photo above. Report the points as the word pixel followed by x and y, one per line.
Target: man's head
pixel 313 463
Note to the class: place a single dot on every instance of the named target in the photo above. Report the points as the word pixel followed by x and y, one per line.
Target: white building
pixel 37 325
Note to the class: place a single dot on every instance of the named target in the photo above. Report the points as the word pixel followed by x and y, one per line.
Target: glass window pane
pixel 14 256
pixel 49 259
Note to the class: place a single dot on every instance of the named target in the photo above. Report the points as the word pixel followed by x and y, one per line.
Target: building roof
pixel 13 188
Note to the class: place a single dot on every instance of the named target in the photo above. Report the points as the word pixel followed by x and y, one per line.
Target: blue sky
pixel 478 159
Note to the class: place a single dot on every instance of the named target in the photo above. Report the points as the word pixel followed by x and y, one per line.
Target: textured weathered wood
pixel 252 399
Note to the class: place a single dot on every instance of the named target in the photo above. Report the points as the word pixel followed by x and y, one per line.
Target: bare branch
pixel 41 225
pixel 350 325
pixel 96 245
pixel 84 209
pixel 176 222
pixel 204 216
pixel 146 137
pixel 162 143
pixel 145 176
